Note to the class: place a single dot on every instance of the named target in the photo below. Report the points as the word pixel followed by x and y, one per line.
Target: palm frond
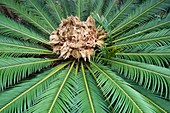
pixel 13 47
pixel 25 14
pixel 97 6
pixel 55 106
pixel 107 102
pixel 12 70
pixel 109 8
pixel 156 56
pixel 81 9
pixel 38 9
pixel 128 73
pixel 56 10
pixel 27 91
pixel 120 14
pixel 123 98
pixel 90 96
pixel 68 7
pixel 155 100
pixel 142 13
pixel 159 38
pixel 14 29
pixel 16 52
pixel 43 102
pixel 150 76
pixel 101 21
pixel 87 94
pixel 57 95
pixel 153 25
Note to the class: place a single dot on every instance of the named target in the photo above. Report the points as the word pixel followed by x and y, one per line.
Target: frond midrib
pixel 26 47
pixel 117 86
pixel 149 54
pixel 61 87
pixel 87 88
pixel 30 63
pixel 137 67
pixel 24 33
pixel 140 41
pixel 42 15
pixel 140 32
pixel 59 67
pixel 118 28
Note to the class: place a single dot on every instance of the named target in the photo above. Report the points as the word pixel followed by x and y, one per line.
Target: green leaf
pixel 158 38
pixel 86 95
pixel 122 97
pixel 53 105
pixel 109 8
pixel 27 92
pixel 14 29
pixel 121 13
pixel 25 14
pixel 81 9
pixel 152 25
pixel 158 56
pixel 100 103
pixel 155 100
pixel 150 76
pixel 12 70
pixel 68 7
pixel 55 10
pixel 142 13
pixel 13 47
pixel 98 6
pixel 57 95
pixel 102 21
pixel 38 9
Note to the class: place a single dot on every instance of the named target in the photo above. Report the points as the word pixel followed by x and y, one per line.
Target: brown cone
pixel 77 39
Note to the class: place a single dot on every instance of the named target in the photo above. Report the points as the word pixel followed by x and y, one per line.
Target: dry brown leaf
pixel 77 39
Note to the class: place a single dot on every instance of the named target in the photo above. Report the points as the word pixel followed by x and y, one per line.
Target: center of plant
pixel 77 39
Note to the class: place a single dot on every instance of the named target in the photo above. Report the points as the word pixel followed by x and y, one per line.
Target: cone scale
pixel 77 39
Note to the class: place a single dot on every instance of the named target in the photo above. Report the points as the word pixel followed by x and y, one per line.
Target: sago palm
pixel 85 56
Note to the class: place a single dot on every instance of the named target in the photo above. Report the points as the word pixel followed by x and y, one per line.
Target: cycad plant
pixel 85 56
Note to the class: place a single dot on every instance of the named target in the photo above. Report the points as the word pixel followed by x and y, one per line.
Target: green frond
pixel 109 8
pixel 102 93
pixel 13 47
pixel 142 13
pixel 87 94
pixel 54 105
pixel 12 70
pixel 91 97
pixel 25 14
pixel 42 102
pixel 102 21
pixel 68 7
pixel 56 10
pixel 28 91
pixel 121 13
pixel 128 73
pixel 152 25
pixel 81 9
pixel 159 38
pixel 57 96
pixel 97 6
pixel 11 28
pixel 37 7
pixel 16 52
pixel 150 76
pixel 122 97
pixel 158 102
pixel 158 56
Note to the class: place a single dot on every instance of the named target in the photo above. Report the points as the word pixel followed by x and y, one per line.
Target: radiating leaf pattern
pixel 130 73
